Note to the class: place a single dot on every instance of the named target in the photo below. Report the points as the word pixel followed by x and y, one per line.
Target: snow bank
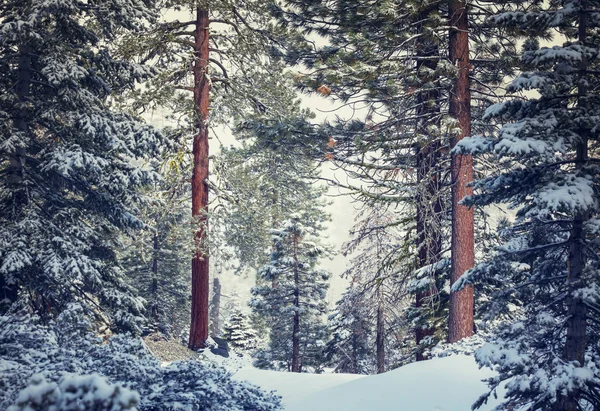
pixel 441 384
pixel 292 386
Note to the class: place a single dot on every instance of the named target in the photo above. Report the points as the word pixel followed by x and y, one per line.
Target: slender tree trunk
pixel 428 205
pixel 215 308
pixel 354 359
pixel 462 248
pixel 296 327
pixel 154 287
pixel 9 287
pixel 576 341
pixel 380 333
pixel 200 274
pixel 428 232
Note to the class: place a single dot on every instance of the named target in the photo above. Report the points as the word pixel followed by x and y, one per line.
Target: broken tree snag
pixel 460 322
pixel 200 274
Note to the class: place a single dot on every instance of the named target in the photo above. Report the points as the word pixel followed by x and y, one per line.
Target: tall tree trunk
pixel 296 326
pixel 462 248
pixel 380 332
pixel 429 238
pixel 575 344
pixel 215 311
pixel 9 286
pixel 200 275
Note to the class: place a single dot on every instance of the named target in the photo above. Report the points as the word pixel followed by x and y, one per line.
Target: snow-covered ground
pixel 441 384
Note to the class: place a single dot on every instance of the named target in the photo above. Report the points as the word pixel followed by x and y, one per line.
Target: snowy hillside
pixel 442 384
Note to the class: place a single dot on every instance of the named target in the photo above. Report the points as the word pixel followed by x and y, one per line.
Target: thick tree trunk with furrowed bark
pixel 200 274
pixel 462 248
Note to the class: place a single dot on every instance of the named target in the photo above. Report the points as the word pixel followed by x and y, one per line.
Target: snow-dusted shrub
pixel 466 346
pixel 63 364
pixel 74 392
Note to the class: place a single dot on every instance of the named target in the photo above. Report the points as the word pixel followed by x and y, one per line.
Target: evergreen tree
pixel 239 333
pixel 350 349
pixel 291 296
pixel 259 186
pixel 548 265
pixel 71 164
pixel 378 270
pixel 396 62
pixel 216 58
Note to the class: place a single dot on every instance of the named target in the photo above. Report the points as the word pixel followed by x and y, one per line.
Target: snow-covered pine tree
pixel 70 165
pixel 350 349
pixel 390 61
pixel 547 151
pixel 379 268
pixel 387 60
pixel 214 57
pixel 260 185
pixel 239 333
pixel 291 296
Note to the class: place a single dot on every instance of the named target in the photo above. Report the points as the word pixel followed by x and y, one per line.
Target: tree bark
pixel 576 341
pixel 215 308
pixel 200 267
pixel 296 326
pixel 380 334
pixel 429 207
pixel 462 247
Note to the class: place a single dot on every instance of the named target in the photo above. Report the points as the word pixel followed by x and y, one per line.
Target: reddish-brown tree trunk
pixel 296 326
pixel 576 340
pixel 460 323
pixel 429 237
pixel 200 275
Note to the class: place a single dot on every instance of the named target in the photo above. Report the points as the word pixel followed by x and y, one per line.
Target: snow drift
pixel 442 384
